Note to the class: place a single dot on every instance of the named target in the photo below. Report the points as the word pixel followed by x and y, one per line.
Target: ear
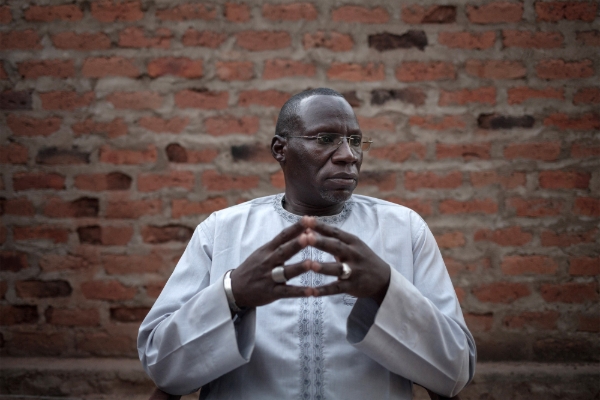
pixel 278 148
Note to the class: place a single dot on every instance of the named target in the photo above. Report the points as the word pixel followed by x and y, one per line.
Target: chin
pixel 336 196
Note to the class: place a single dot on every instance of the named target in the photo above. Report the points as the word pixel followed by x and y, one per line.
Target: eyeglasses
pixel 334 140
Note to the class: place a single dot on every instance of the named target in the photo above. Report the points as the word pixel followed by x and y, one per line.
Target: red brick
pixel 102 182
pixel 108 11
pixel 20 40
pixel 259 153
pixel 548 151
pixel 431 180
pixel 18 206
pixel 235 70
pixel 209 39
pixel 128 156
pixel 376 124
pixel 38 180
pixel 135 100
pixel 186 12
pixel 212 180
pixel 153 289
pixel 586 122
pixel 537 320
pixel 571 292
pixel 34 69
pixel 564 180
pixel 167 233
pixel 5 15
pixel 436 122
pixel 263 40
pixel 125 264
pixel 479 322
pixel 280 68
pixel 183 207
pixel 136 37
pixel 72 317
pixel 554 11
pixel 363 15
pixel 589 323
pixel 235 12
pixel 423 207
pixel 13 261
pixel 532 40
pixel 511 236
pixel 22 125
pixel 204 99
pixel 159 125
pixel 384 180
pixel 333 41
pixel 524 265
pixel 55 207
pixel 450 240
pixel 584 266
pixel 13 153
pixel 535 207
pixel 81 41
pixel 475 151
pixel 100 67
pixel 460 294
pixel 132 209
pixel 152 182
pixel 115 128
pixel 587 95
pixel 278 180
pixel 588 38
pixel 43 289
pixel 289 12
pixel 416 14
pixel 38 344
pixel 496 69
pixel 518 95
pixel 183 67
pixel 466 96
pixel 226 125
pixel 60 156
pixel 64 12
pixel 80 260
pixel 587 206
pixel 501 292
pixel 400 152
pixel 561 69
pixel 107 290
pixel 356 72
pixel 105 235
pixel 105 344
pixel 485 206
pixel 177 153
pixel 16 315
pixel 129 314
pixel 585 149
pixel 495 12
pixel 468 40
pixel 3 74
pixel 551 238
pixel 417 71
pixel 66 100
pixel 265 98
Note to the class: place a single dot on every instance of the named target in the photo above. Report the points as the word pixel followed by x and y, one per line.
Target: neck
pixel 299 208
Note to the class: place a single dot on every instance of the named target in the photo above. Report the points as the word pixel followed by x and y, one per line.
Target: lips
pixel 343 179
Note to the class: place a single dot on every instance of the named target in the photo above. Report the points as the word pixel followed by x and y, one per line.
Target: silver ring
pixel 278 275
pixel 346 271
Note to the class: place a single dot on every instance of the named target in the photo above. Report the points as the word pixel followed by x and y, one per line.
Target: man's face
pixel 318 175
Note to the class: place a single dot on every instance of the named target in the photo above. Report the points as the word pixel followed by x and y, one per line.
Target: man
pixel 351 303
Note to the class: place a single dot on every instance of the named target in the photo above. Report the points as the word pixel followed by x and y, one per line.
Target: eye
pixel 355 141
pixel 327 138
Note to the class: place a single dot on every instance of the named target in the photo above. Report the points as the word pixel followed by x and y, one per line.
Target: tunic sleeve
pixel 418 332
pixel 188 338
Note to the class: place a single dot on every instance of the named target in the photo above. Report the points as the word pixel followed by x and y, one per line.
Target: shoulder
pixel 239 211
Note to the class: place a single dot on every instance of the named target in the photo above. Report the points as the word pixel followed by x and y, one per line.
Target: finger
pixel 287 291
pixel 286 235
pixel 293 270
pixel 285 251
pixel 332 288
pixel 330 245
pixel 332 231
pixel 331 269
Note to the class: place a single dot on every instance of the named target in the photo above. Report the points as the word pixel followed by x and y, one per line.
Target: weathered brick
pixel 571 292
pixel 587 206
pixel 351 13
pixel 179 154
pixel 13 261
pixel 38 344
pixel 333 41
pixel 545 320
pixel 520 94
pixel 511 236
pixel 78 260
pixel 159 125
pixel 497 121
pixel 384 180
pixel 501 292
pixel 412 95
pixel 467 40
pixel 183 207
pixel 586 122
pixel 535 207
pixel 584 266
pixel 254 153
pixel 132 209
pixel 212 180
pixel 112 129
pixel 137 38
pixel 545 151
pixel 167 233
pixel 178 66
pixel 496 69
pixel 202 98
pixel 128 156
pixel 17 206
pixel 43 289
pixel 479 322
pixel 588 323
pixel 370 72
pixel 16 315
pixel 3 74
pixel 263 40
pixel 532 40
pixel 282 68
pixel 585 149
pixel 237 12
pixel 38 180
pixel 388 41
pixel 72 316
pixel 495 12
pixel 417 71
pixel 278 180
pixel 108 11
pixel 423 207
pixel 105 235
pixel 101 67
pixel 399 152
pixel 482 95
pixel 475 151
pixel 588 38
pixel 450 239
pixel 436 14
pixel 81 41
pixel 374 124
pixel 20 40
pixel 525 265
pixel 125 264
pixel 289 12
pixel 107 290
pixel 153 289
pixel 15 100
pixel 437 122
pixel 150 182
pixel 265 98
pixel 105 344
pixel 209 39
pixel 66 100
pixel 33 69
pixel 129 314
pixel 561 69
pixel 101 182
pixel 22 125
pixel 587 95
pixel 553 11
pixel 431 180
pixel 63 12
pixel 235 70
pixel 552 238
pixel 226 125
pixel 5 15
pixel 56 156
pixel 564 180
pixel 186 12
pixel 135 100
pixel 483 206
pixel 55 207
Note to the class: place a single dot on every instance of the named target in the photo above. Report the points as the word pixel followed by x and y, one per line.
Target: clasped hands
pixel 253 285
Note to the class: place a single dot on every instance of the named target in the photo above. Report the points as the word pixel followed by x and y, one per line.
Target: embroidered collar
pixel 328 219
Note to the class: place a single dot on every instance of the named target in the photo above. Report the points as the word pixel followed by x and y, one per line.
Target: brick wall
pixel 125 124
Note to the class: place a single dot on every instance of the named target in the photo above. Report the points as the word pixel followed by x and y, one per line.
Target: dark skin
pixel 318 182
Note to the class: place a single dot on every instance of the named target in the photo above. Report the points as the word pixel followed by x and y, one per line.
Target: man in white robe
pixel 352 303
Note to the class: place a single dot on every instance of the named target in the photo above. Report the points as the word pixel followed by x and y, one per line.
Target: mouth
pixel 343 179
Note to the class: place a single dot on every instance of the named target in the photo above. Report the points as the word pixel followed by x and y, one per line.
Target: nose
pixel 344 153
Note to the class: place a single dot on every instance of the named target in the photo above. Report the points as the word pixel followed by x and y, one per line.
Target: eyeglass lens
pixel 354 141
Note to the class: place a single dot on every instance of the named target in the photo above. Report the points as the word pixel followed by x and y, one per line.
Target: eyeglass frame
pixel 342 137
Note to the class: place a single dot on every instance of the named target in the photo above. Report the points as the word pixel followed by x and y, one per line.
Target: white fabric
pixel 312 348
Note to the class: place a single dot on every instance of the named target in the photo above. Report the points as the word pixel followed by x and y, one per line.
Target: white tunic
pixel 310 348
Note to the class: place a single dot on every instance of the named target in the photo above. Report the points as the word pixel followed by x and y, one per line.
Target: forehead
pixel 320 112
